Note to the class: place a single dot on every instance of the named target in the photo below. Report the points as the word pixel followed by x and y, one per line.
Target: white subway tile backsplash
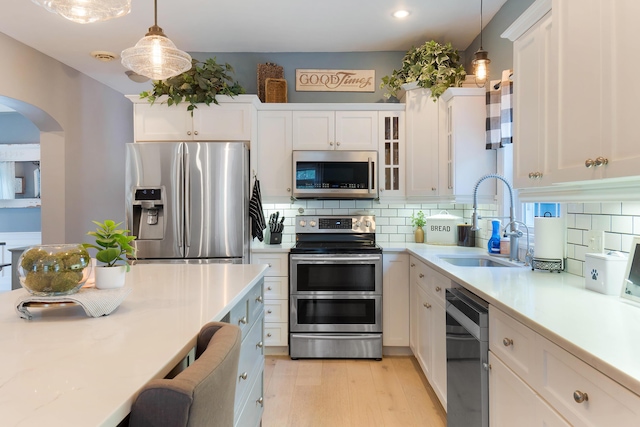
pixel 575 208
pixel 592 208
pixel 601 222
pixel 630 208
pixel 612 241
pixel 332 204
pixel 397 221
pixel 583 221
pixel 575 267
pixel 612 208
pixel 626 242
pixel 574 236
pixel 347 204
pixel 636 225
pixel 570 220
pixel 622 224
pixel 579 252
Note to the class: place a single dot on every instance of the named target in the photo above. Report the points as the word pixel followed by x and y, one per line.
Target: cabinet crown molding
pixel 529 17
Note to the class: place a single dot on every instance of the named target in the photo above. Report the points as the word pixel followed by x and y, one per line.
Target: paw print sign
pixel 594 274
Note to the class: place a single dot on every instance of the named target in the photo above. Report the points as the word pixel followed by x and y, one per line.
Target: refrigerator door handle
pixel 187 197
pixel 178 183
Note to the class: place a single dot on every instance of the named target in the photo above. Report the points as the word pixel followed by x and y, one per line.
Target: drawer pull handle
pixel 243 320
pixel 589 163
pixel 259 345
pixel 269 311
pixel 260 401
pixel 244 376
pixel 438 288
pixel 188 132
pixel 601 161
pixel 259 299
pixel 507 342
pixel 269 334
pixel 413 265
pixel 580 397
pixel 195 132
pixel 269 288
pixel 269 264
pixel 421 275
pixel 427 305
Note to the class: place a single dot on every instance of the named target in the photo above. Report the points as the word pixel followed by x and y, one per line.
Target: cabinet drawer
pixel 276 334
pixel 278 263
pixel 276 288
pixel 256 301
pixel 563 379
pixel 512 342
pixel 419 271
pixel 251 410
pixel 436 285
pixel 251 355
pixel 276 311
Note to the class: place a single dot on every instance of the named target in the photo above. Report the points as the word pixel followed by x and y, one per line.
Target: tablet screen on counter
pixel 631 285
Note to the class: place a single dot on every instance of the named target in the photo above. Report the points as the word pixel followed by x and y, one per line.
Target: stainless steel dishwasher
pixel 467 359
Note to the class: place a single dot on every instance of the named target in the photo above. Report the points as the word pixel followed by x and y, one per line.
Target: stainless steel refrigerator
pixel 188 201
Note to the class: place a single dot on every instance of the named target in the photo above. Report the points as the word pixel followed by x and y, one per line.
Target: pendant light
pixel 481 59
pixel 87 11
pixel 155 56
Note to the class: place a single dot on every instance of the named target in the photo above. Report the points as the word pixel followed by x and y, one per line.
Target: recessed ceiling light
pixel 103 55
pixel 400 14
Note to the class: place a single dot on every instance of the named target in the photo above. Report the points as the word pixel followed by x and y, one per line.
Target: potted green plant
pixel 199 85
pixel 418 220
pixel 431 66
pixel 113 247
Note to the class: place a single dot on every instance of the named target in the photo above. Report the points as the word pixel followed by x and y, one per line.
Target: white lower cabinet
pixel 276 297
pixel 535 382
pixel 428 324
pixel 248 314
pixel 395 300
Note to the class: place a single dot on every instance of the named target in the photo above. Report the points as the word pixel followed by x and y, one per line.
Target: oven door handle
pixel 334 337
pixel 312 259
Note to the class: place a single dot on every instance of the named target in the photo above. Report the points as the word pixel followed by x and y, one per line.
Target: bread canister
pixel 442 229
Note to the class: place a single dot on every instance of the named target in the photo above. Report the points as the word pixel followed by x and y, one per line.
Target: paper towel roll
pixel 550 238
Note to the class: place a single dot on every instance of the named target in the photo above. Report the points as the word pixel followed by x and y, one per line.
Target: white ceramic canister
pixel 442 229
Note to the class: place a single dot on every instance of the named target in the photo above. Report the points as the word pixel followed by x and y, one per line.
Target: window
pixel 532 210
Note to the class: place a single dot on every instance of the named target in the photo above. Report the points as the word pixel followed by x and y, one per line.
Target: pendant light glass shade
pixel 155 56
pixel 87 11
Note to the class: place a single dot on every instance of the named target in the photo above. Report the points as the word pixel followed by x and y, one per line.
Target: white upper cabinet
pixel 535 80
pixel 597 98
pixel 462 153
pixel 227 121
pixel 422 144
pixel 335 130
pixel 391 155
pixel 274 159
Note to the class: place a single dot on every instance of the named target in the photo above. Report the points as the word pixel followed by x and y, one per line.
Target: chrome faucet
pixel 528 257
pixel 514 234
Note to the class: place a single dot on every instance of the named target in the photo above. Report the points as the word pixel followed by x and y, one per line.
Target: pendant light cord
pixel 480 24
pixel 155 13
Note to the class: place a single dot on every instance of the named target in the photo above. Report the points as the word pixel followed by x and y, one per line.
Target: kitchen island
pixel 64 368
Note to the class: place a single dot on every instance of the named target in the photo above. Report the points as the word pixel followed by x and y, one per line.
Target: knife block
pixel 273 238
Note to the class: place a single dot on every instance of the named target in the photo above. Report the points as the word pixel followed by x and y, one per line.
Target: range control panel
pixel 335 224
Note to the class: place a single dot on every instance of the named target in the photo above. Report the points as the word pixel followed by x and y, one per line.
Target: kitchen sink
pixel 476 261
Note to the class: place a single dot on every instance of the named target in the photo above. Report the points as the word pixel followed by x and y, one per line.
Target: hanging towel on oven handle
pixel 255 212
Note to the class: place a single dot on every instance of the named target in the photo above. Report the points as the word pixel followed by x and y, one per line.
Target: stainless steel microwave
pixel 335 174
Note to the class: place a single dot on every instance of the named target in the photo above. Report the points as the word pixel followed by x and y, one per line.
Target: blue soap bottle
pixel 494 241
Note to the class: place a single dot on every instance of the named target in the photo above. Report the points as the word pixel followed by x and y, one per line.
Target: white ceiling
pixel 246 26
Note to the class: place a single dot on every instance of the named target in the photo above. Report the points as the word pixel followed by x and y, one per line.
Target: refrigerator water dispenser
pixel 148 214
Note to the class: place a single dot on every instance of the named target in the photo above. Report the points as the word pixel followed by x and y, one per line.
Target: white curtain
pixel 7 180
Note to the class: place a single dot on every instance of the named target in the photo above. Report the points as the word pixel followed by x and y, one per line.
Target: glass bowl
pixel 53 270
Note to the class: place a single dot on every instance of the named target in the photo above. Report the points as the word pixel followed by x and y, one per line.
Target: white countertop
pixel 64 368
pixel 603 331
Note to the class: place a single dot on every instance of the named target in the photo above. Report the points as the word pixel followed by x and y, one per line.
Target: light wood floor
pixel 348 393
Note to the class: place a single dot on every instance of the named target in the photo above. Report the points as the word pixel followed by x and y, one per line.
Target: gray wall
pixel 83 127
pixel 500 50
pixel 246 67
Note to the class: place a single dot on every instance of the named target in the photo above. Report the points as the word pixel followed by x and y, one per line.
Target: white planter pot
pixel 110 277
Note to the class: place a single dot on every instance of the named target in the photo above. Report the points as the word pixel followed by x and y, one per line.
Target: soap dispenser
pixel 494 241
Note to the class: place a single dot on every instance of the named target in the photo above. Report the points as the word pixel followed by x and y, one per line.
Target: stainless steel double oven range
pixel 335 288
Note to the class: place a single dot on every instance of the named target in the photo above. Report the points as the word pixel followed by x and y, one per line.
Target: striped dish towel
pixel 499 123
pixel 493 115
pixel 255 212
pixel 506 108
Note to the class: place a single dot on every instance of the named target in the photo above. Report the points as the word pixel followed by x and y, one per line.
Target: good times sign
pixel 335 80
